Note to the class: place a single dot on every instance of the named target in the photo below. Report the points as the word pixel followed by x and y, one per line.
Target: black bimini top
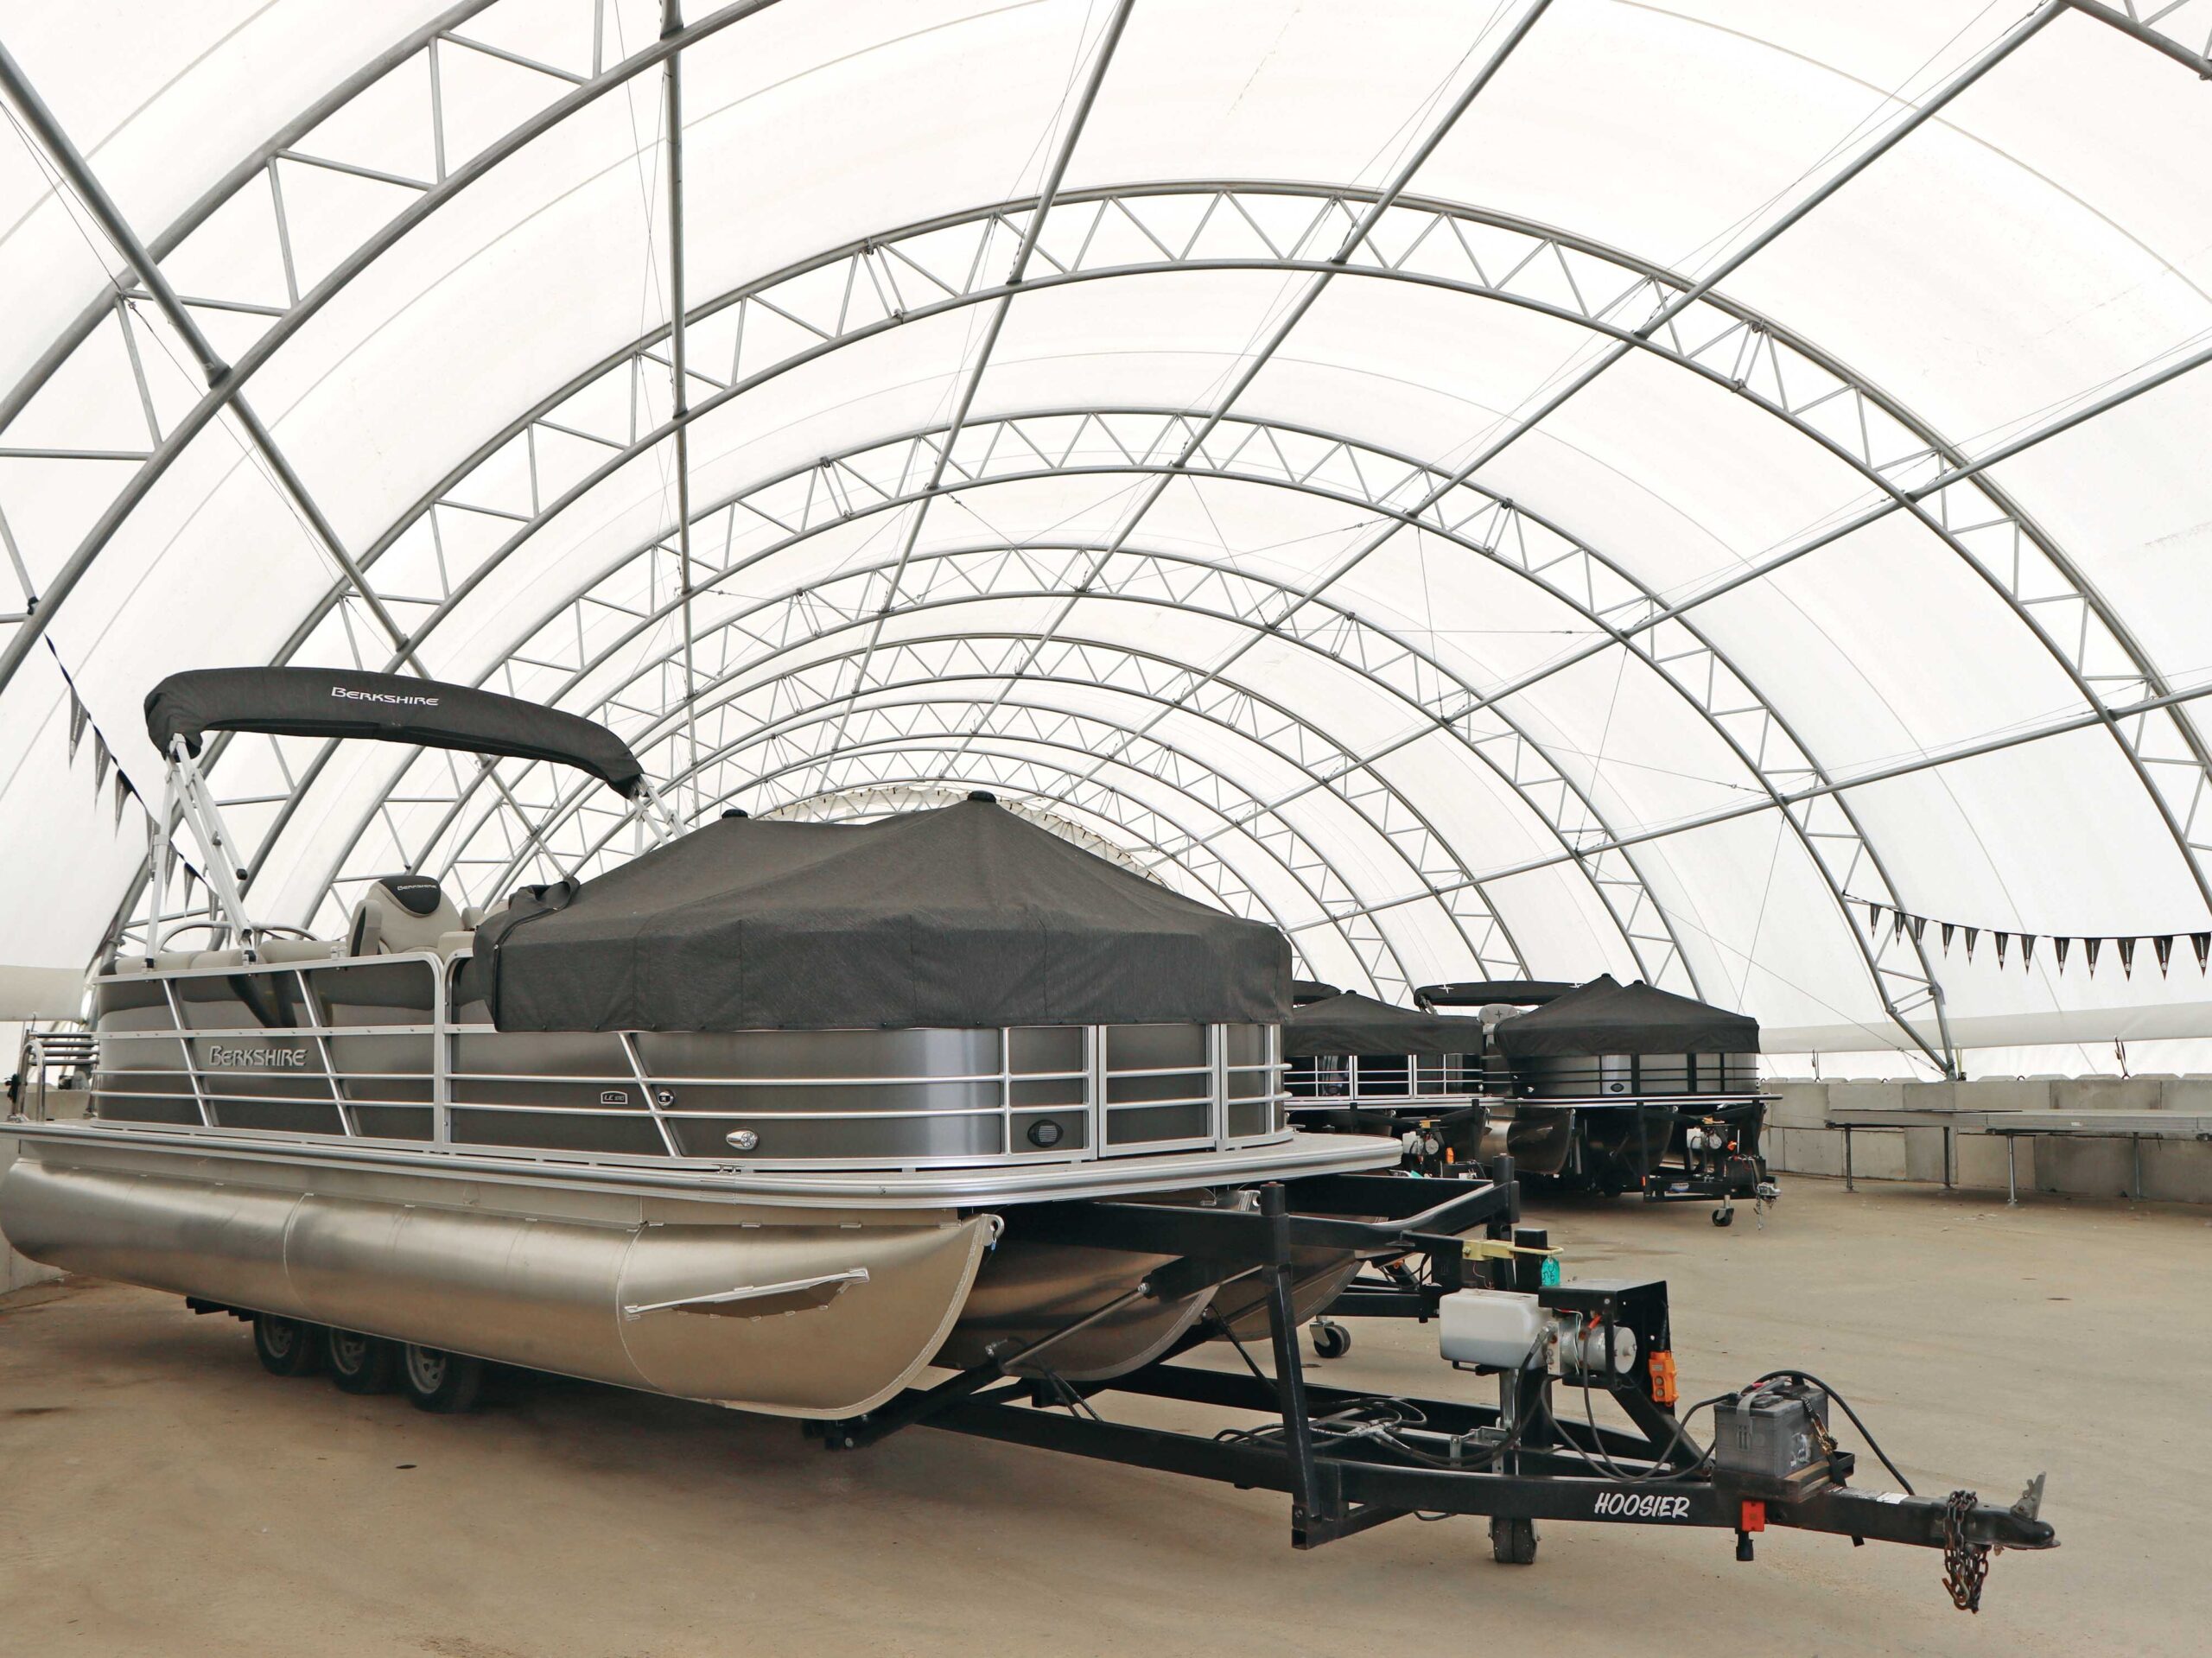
pixel 392 707
pixel 1351 1023
pixel 965 917
pixel 1485 993
pixel 1606 1016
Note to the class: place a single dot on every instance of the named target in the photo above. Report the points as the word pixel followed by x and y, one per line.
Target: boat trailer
pixel 1351 1460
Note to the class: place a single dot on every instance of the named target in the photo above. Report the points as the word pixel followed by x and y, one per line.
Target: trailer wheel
pixel 288 1347
pixel 1512 1539
pixel 435 1380
pixel 1724 1218
pixel 1331 1341
pixel 362 1364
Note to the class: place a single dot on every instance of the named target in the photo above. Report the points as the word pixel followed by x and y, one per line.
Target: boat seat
pixel 402 913
pixel 297 949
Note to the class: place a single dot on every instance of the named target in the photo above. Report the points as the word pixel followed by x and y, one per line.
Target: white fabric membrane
pixel 1162 581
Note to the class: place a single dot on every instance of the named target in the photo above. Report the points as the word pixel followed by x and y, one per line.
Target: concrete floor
pixel 159 1494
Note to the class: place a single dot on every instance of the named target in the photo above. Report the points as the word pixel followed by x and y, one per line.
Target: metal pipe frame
pixel 666 49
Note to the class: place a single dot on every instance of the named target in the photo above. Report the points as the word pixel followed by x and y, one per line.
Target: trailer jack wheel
pixel 1331 1340
pixel 1512 1539
pixel 1725 1216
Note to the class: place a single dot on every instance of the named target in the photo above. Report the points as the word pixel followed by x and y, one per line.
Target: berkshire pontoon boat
pixel 778 1115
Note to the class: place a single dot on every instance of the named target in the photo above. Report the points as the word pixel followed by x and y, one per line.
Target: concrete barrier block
pixel 2003 1094
pixel 2192 1094
pixel 2106 1093
pixel 1981 1162
pixel 1924 1154
pixel 1801 1105
pixel 2088 1168
pixel 2178 1172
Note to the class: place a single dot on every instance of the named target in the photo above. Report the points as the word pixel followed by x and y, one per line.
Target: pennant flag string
pixel 1904 923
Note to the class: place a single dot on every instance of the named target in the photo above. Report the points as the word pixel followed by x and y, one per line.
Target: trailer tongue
pixel 1349 1461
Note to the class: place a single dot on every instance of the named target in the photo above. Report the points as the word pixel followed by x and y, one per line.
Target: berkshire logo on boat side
pixel 384 697
pixel 258 1058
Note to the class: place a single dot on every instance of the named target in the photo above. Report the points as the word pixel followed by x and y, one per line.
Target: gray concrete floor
pixel 159 1494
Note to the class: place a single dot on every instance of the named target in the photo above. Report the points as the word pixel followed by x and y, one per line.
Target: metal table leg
pixel 2012 1172
pixel 2135 1156
pixel 1950 1154
pixel 1848 1186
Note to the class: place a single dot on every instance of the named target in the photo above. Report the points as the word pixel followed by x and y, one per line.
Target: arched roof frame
pixel 1432 691
pixel 1592 585
pixel 2143 30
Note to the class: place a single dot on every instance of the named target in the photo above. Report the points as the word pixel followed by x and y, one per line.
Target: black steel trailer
pixel 1351 1460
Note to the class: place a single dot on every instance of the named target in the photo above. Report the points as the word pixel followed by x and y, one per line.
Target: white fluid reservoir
pixel 1502 1328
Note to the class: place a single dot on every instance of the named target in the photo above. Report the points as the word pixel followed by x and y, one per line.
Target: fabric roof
pixel 1553 487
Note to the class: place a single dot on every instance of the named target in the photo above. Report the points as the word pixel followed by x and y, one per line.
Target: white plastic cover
pixel 1522 491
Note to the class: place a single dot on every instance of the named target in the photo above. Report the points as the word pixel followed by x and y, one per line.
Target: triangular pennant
pixel 78 718
pixel 2089 949
pixel 2203 942
pixel 1873 916
pixel 1947 931
pixel 2062 945
pixel 122 791
pixel 2027 948
pixel 2164 949
pixel 1919 928
pixel 2127 957
pixel 100 761
pixel 2003 938
pixel 1897 924
pixel 1973 933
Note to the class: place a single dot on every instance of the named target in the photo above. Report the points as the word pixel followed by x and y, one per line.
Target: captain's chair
pixel 402 913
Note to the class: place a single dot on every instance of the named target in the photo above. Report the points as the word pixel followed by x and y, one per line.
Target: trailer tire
pixel 362 1364
pixel 289 1347
pixel 1331 1341
pixel 434 1380
pixel 1512 1539
pixel 1724 1218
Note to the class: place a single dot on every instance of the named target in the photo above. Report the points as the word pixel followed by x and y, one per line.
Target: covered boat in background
pixel 1664 1089
pixel 1357 1065
pixel 755 1117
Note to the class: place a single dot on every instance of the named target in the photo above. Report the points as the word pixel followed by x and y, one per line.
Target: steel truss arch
pixel 840 488
pixel 1425 241
pixel 1171 769
pixel 1129 674
pixel 1383 658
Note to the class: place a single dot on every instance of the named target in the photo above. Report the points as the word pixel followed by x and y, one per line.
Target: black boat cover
pixel 392 707
pixel 966 916
pixel 1606 1016
pixel 1351 1023
pixel 1484 993
pixel 1304 990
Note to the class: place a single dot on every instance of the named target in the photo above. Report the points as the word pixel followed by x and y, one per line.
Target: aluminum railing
pixel 157 1058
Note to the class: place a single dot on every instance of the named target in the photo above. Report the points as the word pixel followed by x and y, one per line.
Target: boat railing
pixel 334 1047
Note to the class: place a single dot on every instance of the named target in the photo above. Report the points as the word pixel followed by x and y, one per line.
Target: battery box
pixel 1773 1441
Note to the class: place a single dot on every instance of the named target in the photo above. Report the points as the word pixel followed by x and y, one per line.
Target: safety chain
pixel 1965 1566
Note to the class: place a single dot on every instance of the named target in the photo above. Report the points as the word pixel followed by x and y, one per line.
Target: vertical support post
pixel 1290 1375
pixel 1847 1183
pixel 2012 1172
pixel 158 859
pixel 441 1037
pixel 2135 1157
pixel 1950 1145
